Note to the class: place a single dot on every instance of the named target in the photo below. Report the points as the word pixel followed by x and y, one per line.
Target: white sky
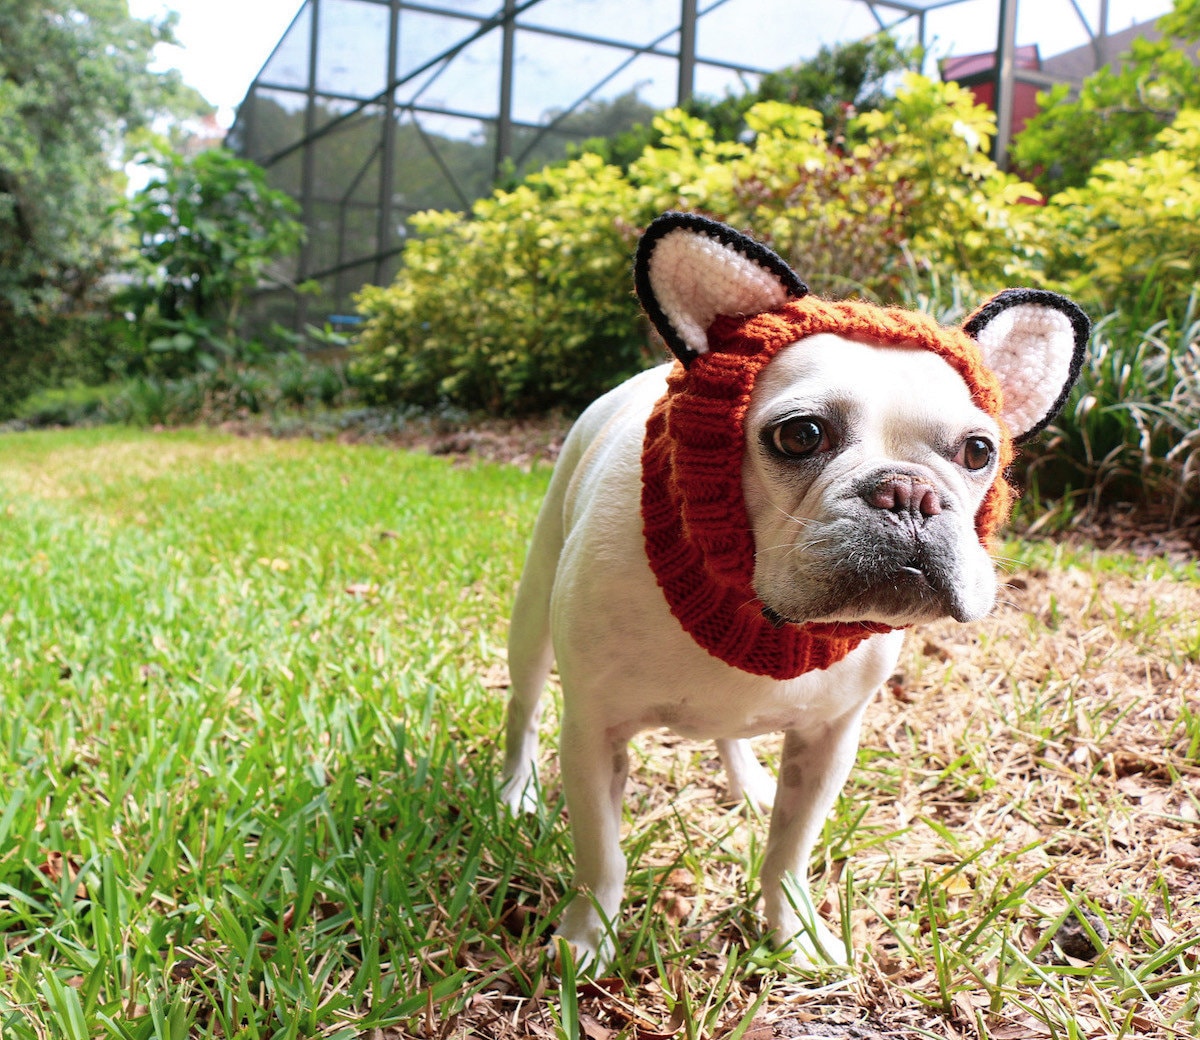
pixel 224 43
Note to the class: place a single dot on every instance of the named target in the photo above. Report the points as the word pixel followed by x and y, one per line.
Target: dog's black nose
pixel 904 493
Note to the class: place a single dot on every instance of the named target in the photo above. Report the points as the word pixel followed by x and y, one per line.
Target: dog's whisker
pixel 781 547
pixel 802 520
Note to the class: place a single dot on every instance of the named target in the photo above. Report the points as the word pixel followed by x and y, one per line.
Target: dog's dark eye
pixel 798 437
pixel 976 453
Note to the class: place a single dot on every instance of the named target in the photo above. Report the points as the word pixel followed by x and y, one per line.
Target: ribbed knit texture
pixel 697 532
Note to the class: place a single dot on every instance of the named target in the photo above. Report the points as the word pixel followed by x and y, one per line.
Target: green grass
pixel 249 732
pixel 242 699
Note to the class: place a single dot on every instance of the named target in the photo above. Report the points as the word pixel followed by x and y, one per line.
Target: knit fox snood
pixel 697 531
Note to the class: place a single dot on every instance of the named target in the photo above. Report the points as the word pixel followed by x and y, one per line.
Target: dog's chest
pixel 701 717
pixel 706 699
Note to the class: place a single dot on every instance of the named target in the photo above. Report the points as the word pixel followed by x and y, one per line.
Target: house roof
pixel 1075 65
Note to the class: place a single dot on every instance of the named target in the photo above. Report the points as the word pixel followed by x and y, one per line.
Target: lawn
pixel 252 692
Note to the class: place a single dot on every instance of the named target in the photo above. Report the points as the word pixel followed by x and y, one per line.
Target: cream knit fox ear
pixel 690 269
pixel 1034 341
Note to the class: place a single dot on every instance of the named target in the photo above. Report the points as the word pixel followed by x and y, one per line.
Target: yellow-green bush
pixel 525 304
pixel 911 183
pixel 1130 236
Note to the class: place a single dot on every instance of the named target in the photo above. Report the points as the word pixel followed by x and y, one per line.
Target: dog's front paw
pixel 796 928
pixel 758 788
pixel 748 780
pixel 519 793
pixel 812 946
pixel 588 942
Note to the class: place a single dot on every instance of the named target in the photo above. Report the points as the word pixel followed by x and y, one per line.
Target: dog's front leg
pixel 812 771
pixel 594 768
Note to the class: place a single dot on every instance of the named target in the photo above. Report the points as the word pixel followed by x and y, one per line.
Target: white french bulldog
pixel 730 546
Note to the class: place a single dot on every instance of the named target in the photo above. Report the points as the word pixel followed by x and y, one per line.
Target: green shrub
pixel 40 352
pixel 70 405
pixel 146 401
pixel 1131 429
pixel 303 383
pixel 287 383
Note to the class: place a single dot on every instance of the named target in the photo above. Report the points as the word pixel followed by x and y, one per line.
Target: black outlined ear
pixel 1034 341
pixel 690 269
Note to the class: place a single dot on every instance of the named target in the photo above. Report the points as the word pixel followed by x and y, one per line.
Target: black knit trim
pixel 1081 325
pixel 727 236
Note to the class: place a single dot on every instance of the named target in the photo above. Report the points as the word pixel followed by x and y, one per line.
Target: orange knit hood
pixel 697 533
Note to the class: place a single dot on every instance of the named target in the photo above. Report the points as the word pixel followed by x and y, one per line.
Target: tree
pixel 74 84
pixel 837 81
pixel 1182 21
pixel 593 121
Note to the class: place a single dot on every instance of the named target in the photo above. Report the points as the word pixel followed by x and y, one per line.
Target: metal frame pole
pixel 387 158
pixel 1005 50
pixel 504 127
pixel 1102 56
pixel 687 50
pixel 308 168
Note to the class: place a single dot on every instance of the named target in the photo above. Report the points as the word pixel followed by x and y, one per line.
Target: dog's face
pixel 864 469
pixel 871 438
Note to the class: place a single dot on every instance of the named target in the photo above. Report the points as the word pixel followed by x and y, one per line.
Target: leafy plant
pixel 69 405
pixel 150 401
pixel 288 383
pixel 300 382
pixel 207 230
pixel 1131 430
